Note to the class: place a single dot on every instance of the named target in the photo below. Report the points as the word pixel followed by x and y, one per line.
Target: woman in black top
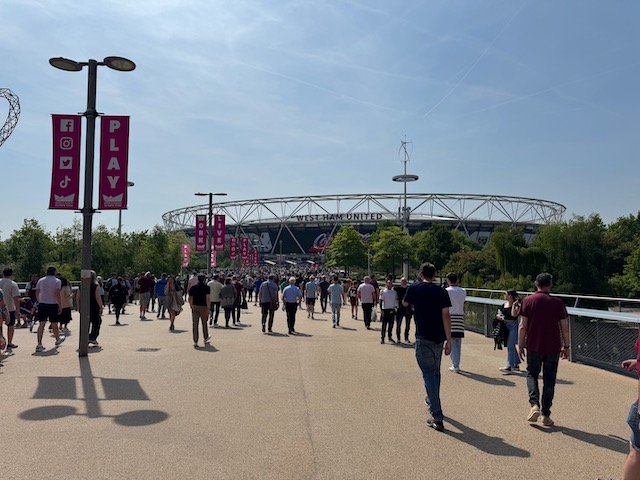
pixel 510 312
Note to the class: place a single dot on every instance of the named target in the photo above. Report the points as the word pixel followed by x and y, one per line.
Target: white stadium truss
pixel 286 214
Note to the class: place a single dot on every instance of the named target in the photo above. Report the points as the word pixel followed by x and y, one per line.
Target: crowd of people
pixel 537 326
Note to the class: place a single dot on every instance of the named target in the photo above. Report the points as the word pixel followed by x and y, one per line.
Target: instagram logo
pixel 66 143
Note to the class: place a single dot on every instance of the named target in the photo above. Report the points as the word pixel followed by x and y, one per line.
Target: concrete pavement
pixel 325 404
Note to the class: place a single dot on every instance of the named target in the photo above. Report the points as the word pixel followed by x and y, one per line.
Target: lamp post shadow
pixel 66 388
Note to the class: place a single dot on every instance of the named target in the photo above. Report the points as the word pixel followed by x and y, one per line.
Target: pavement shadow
pixel 405 345
pixel 207 348
pixel 610 442
pixel 276 334
pixel 179 331
pixel 503 382
pixel 347 328
pixel 488 444
pixel 47 353
pixel 66 388
pixel 298 334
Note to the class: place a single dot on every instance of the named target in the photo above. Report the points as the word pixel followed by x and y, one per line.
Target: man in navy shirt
pixel 433 335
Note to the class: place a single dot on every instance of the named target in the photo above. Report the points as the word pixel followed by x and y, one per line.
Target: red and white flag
pixel 201 233
pixel 186 254
pixel 65 176
pixel 244 248
pixel 218 232
pixel 233 248
pixel 114 160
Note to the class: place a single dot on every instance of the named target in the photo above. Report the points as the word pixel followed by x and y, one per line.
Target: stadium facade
pixel 302 227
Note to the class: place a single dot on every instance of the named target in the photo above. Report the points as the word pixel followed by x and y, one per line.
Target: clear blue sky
pixel 272 98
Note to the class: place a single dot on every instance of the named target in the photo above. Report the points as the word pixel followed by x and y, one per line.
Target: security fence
pixel 602 335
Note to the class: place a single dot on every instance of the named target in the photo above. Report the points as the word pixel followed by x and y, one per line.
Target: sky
pixel 273 98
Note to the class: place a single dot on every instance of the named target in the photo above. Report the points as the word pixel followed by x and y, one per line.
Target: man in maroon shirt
pixel 544 321
pixel 631 468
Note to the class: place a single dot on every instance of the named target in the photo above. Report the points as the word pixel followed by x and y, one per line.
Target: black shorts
pixel 311 301
pixel 12 319
pixel 65 316
pixel 48 312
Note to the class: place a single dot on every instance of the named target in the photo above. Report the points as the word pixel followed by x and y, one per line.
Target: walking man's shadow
pixel 486 443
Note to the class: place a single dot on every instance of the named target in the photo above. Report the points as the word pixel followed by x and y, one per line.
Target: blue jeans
pixel 456 347
pixel 429 357
pixel 335 312
pixel 632 421
pixel 513 360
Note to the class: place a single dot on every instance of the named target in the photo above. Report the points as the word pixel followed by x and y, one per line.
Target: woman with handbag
pixel 509 313
pixel 174 300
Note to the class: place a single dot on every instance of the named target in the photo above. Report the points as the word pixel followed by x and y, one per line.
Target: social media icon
pixel 66 125
pixel 65 183
pixel 66 163
pixel 66 143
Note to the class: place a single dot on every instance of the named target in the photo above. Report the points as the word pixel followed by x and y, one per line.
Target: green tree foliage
pixel 474 266
pixel 390 247
pixel 30 249
pixel 622 238
pixel 437 245
pixel 347 249
pixel 576 255
pixel 628 284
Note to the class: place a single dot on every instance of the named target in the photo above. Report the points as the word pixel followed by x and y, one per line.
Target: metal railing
pixel 603 335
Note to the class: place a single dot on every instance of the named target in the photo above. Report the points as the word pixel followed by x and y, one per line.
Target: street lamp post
pixel 123 65
pixel 405 178
pixel 210 224
pixel 129 184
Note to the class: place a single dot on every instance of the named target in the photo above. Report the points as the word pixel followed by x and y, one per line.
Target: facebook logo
pixel 66 125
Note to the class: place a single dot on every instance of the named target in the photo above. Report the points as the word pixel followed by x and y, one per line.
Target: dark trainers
pixel 437 426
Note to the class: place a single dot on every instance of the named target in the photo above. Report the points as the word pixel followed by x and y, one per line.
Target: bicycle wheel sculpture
pixel 14 114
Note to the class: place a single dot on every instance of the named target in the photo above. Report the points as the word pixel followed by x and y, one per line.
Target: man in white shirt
pixel 12 299
pixel 389 299
pixel 215 286
pixel 367 297
pixel 310 294
pixel 49 306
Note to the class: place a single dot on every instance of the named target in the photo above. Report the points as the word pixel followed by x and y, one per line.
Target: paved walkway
pixel 325 404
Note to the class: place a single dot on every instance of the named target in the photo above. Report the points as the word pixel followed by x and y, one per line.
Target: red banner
pixel 255 258
pixel 65 176
pixel 213 258
pixel 244 248
pixel 218 232
pixel 114 160
pixel 186 254
pixel 233 248
pixel 201 233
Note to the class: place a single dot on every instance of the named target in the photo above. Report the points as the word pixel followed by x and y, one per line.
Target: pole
pixel 405 224
pixel 87 211
pixel 119 223
pixel 209 233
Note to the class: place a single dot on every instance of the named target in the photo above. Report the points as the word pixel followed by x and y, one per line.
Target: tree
pixel 576 254
pixel 477 264
pixel 347 249
pixel 390 248
pixel 30 249
pixel 437 244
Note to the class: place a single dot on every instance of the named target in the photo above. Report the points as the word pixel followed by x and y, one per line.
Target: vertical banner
pixel 65 176
pixel 186 254
pixel 233 248
pixel 114 162
pixel 213 258
pixel 255 258
pixel 218 232
pixel 244 249
pixel 201 233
